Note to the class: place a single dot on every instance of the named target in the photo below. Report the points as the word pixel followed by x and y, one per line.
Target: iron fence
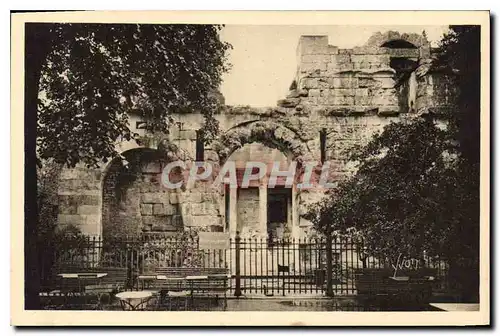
pixel 258 266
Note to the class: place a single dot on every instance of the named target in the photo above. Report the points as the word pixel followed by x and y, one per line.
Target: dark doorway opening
pixel 278 213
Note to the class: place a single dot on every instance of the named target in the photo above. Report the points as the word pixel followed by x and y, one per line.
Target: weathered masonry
pixel 339 98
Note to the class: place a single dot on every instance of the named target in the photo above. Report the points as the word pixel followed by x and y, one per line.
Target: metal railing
pixel 258 266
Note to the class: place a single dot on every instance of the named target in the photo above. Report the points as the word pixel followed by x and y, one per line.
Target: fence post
pixel 237 240
pixel 329 261
pixel 360 248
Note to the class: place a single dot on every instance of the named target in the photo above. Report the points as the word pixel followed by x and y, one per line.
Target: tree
pixel 81 80
pixel 460 49
pixel 416 189
pixel 91 75
pixel 405 195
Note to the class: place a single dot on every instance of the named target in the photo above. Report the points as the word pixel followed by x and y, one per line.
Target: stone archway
pixel 272 135
pixel 134 200
pixel 268 133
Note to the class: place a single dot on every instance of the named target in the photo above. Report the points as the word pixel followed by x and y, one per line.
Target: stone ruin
pixel 338 99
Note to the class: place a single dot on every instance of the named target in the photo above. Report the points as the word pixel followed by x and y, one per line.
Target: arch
pixel 119 185
pixel 275 136
pixel 134 200
pixel 169 150
pixel 268 133
pixel 398 44
pixel 396 40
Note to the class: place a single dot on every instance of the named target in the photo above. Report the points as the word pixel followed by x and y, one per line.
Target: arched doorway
pixel 257 210
pixel 134 201
pixel 268 133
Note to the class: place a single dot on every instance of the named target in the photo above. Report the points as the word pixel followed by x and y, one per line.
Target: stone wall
pixel 356 81
pixel 80 199
pixel 248 209
pixel 136 202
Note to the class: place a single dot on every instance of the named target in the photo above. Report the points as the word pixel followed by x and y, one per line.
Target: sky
pixel 264 57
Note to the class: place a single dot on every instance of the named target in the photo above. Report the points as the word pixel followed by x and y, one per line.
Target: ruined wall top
pixel 390 42
pixel 378 39
pixel 383 76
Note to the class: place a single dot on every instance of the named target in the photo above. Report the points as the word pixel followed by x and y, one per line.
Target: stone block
pixel 323 83
pixel 345 51
pixel 385 97
pixel 327 93
pixel 188 220
pixel 75 220
pixel 89 229
pixel 313 66
pixel 389 111
pixel 340 100
pixel 86 199
pixel 312 45
pixel 300 110
pixel 146 209
pixel 216 228
pixel 157 197
pixel 76 185
pixel 343 92
pixel 152 167
pixel 292 94
pixel 158 209
pixel 187 135
pixel 332 50
pixel 69 173
pixel 177 221
pixel 145 187
pixel 184 209
pixel 205 221
pixel 198 209
pixel 148 220
pixel 363 100
pixel 291 102
pixel 316 58
pixel 407 53
pixel 194 197
pixel 369 50
pixel 89 210
pixel 333 68
pixel 361 92
pixel 68 209
pixel 314 93
pixel 368 82
pixel 303 93
pixel 336 111
pixel 309 83
pixel 343 82
pixel 156 220
pixel 174 198
pixel 157 228
pixel 211 197
pixel 376 59
pixel 363 65
pixel 309 101
pixel 340 58
pixel 211 209
pixel 92 219
pixel 169 209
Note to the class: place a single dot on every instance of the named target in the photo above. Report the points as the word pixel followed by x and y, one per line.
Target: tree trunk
pixel 37 45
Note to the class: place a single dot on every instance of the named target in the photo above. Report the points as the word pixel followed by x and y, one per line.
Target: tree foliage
pixel 416 189
pixel 405 194
pixel 460 49
pixel 92 75
pixel 47 199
